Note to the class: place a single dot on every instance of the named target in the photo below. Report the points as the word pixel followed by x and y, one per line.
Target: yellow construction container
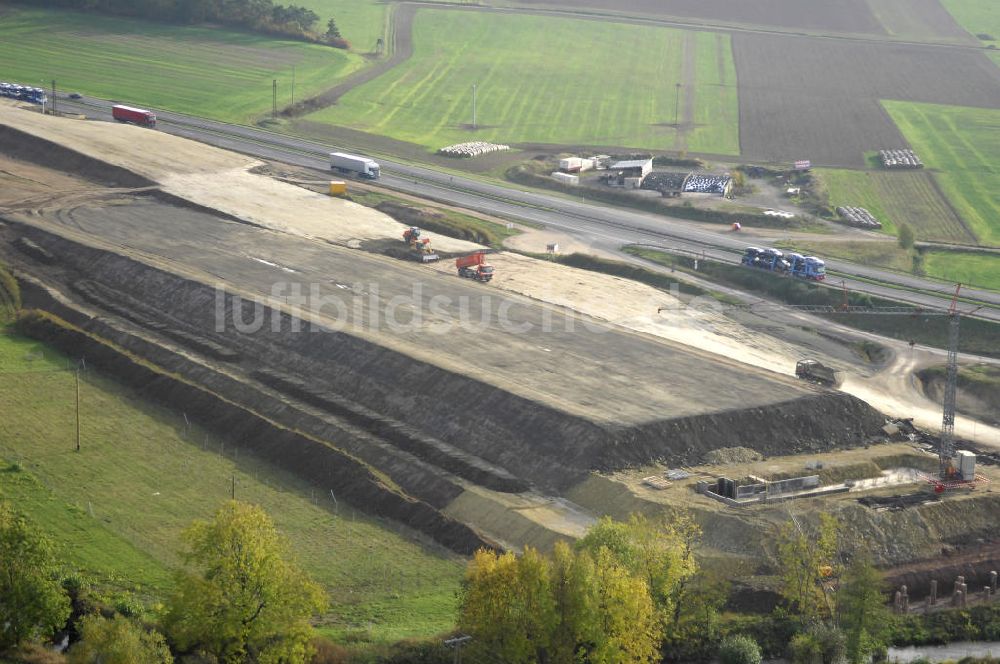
pixel 338 188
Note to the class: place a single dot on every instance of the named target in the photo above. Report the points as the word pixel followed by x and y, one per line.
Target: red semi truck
pixel 134 115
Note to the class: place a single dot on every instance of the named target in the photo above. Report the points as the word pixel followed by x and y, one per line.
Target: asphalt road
pixel 594 224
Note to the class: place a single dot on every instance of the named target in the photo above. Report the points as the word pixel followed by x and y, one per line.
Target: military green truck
pixel 816 372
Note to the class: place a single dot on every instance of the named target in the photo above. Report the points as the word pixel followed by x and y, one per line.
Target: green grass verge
pixel 10 295
pixel 83 544
pixel 883 254
pixel 961 145
pixel 977 270
pixel 544 80
pixel 142 475
pixel 215 73
pixel 437 219
pixel 977 336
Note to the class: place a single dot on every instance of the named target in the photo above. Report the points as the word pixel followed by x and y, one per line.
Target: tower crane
pixel 946 449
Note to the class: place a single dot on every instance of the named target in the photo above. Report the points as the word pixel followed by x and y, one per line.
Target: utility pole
pixel 474 125
pixel 274 99
pixel 293 85
pixel 233 492
pixel 677 106
pixel 54 97
pixel 78 409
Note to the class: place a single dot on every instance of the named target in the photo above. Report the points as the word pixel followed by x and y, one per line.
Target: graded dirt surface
pixel 213 178
pixel 958 519
pixel 587 373
pixel 827 107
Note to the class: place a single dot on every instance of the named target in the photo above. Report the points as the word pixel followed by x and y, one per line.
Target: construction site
pixel 513 407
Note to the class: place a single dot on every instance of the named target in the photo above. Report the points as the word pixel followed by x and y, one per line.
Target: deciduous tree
pixel 118 640
pixel 630 628
pixel 660 552
pixel 805 558
pixel 242 597
pixel 906 237
pixel 571 608
pixel 32 601
pixel 507 605
pixel 862 612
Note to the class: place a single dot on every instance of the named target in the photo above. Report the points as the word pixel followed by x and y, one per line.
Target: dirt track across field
pixel 846 16
pixel 400 50
pixel 819 99
pixel 919 20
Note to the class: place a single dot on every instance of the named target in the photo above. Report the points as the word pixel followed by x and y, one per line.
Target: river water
pixel 952 651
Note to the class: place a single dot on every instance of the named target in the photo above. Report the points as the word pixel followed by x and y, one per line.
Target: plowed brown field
pixel 818 99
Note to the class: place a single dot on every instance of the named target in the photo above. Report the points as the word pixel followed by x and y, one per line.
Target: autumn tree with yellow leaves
pixel 568 608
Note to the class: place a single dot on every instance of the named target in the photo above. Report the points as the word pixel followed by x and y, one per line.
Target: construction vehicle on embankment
pixel 420 248
pixel 816 372
pixel 474 266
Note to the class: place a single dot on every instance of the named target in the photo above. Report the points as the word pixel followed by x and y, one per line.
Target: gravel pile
pixel 727 455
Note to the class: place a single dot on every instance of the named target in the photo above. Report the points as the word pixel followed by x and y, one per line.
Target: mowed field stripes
pixel 960 146
pixel 548 80
pixel 900 197
pixel 221 74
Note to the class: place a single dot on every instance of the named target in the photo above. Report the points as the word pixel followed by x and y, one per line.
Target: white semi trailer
pixel 352 163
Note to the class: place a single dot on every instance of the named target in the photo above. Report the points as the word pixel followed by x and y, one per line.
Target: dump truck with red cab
pixel 133 115
pixel 474 266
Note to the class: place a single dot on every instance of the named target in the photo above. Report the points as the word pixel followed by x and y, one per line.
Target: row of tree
pixel 627 592
pixel 621 594
pixel 239 598
pixel 256 15
pixel 634 593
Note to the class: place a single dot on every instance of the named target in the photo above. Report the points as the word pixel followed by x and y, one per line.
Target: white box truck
pixel 352 163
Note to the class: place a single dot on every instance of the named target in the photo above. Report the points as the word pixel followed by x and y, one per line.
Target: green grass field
pixel 896 198
pixel 545 80
pixel 118 506
pixel 960 145
pixel 978 270
pixel 216 73
pixel 361 22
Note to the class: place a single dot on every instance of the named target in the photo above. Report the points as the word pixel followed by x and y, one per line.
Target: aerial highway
pixel 597 225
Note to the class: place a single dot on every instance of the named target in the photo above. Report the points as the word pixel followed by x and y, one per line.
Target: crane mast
pixel 946 449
